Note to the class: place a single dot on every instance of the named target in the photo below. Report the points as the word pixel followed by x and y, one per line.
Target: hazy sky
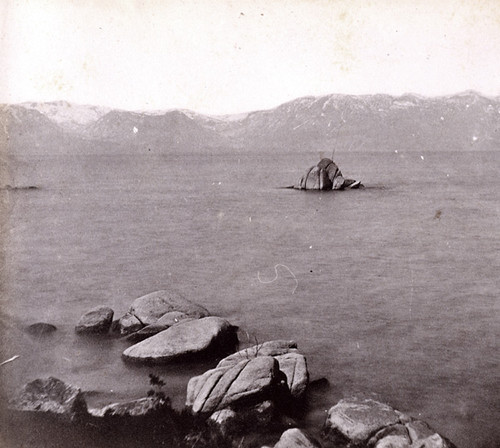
pixel 225 56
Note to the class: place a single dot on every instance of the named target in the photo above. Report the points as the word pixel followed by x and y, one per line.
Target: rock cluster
pixel 258 388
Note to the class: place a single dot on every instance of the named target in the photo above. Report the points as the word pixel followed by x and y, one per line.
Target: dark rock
pixel 51 396
pixel 396 435
pixel 294 366
pixel 326 175
pixel 97 320
pixel 209 335
pixel 249 382
pixel 128 324
pixel 40 329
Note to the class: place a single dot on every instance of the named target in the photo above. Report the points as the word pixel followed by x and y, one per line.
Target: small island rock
pixel 296 438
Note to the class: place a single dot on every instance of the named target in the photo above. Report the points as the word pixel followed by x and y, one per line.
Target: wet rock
pixel 135 408
pixel 423 436
pixel 51 396
pixel 149 308
pixel 97 320
pixel 40 329
pixel 296 438
pixel 357 419
pixel 202 336
pixel 250 381
pixel 269 348
pixel 294 366
pixel 166 321
pixel 128 324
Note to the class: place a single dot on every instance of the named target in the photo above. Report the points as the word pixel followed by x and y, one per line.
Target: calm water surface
pixel 390 292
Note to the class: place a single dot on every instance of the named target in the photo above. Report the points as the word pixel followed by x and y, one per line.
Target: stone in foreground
pixel 358 419
pixel 249 382
pixel 51 396
pixel 97 320
pixel 295 438
pixel 294 366
pixel 192 337
pixel 135 408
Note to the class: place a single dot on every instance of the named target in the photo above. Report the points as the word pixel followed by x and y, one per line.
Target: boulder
pixel 396 436
pixel 97 320
pixel 135 408
pixel 269 348
pixel 326 175
pixel 358 419
pixel 50 396
pixel 166 321
pixel 40 329
pixel 128 324
pixel 249 382
pixel 149 308
pixel 209 335
pixel 423 436
pixel 294 366
pixel 296 438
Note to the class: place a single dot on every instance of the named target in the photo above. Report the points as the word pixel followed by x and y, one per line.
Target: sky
pixel 228 56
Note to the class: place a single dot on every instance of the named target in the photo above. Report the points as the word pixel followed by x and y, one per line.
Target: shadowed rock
pixel 51 396
pixel 201 336
pixel 97 320
pixel 250 381
pixel 294 366
pixel 128 323
pixel 166 321
pixel 135 408
pixel 326 175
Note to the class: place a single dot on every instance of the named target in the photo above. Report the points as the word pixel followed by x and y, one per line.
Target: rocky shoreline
pixel 252 397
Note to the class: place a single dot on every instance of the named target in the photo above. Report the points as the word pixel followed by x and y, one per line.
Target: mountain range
pixel 466 121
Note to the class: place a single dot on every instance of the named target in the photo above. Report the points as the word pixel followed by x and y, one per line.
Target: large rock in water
pixel 51 396
pixel 250 381
pixel 326 175
pixel 200 336
pixel 97 320
pixel 141 407
pixel 290 362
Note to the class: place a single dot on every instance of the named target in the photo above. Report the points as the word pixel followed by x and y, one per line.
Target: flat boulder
pixel 209 335
pixel 50 396
pixel 96 320
pixel 149 308
pixel 40 329
pixel 249 382
pixel 358 419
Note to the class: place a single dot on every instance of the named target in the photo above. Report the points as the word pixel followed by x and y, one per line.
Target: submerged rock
pixel 40 329
pixel 51 396
pixel 201 336
pixel 97 320
pixel 250 381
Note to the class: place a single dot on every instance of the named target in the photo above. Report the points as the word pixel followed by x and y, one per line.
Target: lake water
pixel 390 291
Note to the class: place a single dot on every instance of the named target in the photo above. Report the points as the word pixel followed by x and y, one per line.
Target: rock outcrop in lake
pixel 326 175
pixel 208 335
